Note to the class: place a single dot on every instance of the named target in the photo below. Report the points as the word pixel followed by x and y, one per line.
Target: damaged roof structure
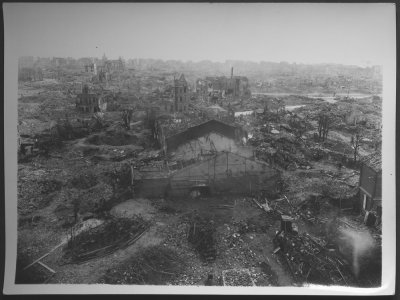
pixel 174 98
pixel 202 139
pixel 233 86
pixel 226 172
pixel 190 153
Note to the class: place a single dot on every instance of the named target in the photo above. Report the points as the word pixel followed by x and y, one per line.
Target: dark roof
pixel 200 130
pixel 200 162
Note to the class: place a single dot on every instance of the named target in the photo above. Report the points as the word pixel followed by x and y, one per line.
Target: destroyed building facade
pixel 88 102
pixel 59 61
pixel 30 74
pixel 115 65
pixel 109 65
pixel 89 67
pixel 218 87
pixel 181 94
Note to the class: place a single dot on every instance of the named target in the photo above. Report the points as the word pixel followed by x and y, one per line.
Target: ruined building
pixel 173 99
pixel 216 88
pixel 114 65
pixel 90 102
pixel 89 67
pixel 109 66
pixel 30 74
pixel 59 61
pixel 181 94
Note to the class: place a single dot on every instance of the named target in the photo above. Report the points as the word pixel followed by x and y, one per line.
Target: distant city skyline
pixel 195 62
pixel 349 34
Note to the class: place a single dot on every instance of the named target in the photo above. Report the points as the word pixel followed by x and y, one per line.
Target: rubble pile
pixel 236 248
pixel 153 265
pixel 269 273
pixel 259 223
pixel 95 198
pixel 300 186
pixel 282 150
pixel 35 194
pixel 309 261
pixel 289 161
pixel 237 277
pixel 202 236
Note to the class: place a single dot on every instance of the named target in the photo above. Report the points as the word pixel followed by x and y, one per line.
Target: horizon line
pixel 365 65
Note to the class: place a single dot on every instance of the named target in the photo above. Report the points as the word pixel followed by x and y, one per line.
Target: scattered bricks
pixel 237 277
pixel 202 236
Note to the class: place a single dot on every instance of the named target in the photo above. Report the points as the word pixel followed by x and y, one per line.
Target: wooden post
pixel 131 173
pixel 43 256
pixel 250 184
pixel 227 165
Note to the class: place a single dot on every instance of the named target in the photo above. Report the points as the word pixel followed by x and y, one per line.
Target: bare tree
pixel 323 126
pixel 327 118
pixel 127 117
pixel 98 119
pixel 355 142
pixel 299 125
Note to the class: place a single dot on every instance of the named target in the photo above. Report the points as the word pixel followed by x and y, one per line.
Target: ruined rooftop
pixel 374 161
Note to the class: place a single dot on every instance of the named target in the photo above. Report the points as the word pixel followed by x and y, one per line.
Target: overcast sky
pixel 358 34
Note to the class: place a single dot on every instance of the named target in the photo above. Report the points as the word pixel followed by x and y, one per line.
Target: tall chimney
pixel 232 72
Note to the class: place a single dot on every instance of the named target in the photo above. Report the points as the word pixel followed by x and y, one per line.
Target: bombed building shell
pixel 90 102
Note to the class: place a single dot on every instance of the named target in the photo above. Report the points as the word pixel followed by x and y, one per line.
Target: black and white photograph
pixel 200 148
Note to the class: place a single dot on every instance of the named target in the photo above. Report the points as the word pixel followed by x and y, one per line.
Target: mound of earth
pixel 111 234
pixel 134 207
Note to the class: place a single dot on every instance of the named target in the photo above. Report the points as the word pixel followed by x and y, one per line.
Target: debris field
pixel 158 181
